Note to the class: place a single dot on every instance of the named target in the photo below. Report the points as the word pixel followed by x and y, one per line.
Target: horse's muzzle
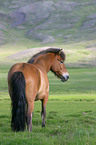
pixel 65 77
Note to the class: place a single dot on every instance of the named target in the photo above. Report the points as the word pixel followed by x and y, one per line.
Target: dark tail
pixel 18 102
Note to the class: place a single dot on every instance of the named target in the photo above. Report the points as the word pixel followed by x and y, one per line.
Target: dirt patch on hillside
pixel 26 53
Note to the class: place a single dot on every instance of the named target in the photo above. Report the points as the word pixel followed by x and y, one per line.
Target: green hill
pixel 47 21
pixel 34 23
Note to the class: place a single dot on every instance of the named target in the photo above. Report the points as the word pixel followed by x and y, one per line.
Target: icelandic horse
pixel 28 82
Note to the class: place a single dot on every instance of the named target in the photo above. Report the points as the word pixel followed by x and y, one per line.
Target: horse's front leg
pixel 43 115
pixel 43 112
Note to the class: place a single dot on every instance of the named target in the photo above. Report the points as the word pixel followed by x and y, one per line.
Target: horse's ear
pixel 61 54
pixel 60 50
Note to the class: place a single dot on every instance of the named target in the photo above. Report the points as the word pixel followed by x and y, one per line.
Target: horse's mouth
pixel 63 79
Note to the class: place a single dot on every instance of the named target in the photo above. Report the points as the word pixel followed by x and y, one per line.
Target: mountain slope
pixel 47 21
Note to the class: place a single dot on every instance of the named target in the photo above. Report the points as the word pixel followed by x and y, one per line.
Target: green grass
pixel 82 80
pixel 71 112
pixel 67 122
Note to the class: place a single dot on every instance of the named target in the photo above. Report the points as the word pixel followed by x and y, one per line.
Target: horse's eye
pixel 61 61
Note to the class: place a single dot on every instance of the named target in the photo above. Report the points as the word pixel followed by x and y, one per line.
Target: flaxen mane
pixel 50 50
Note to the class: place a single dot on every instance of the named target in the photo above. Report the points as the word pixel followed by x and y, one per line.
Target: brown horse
pixel 28 82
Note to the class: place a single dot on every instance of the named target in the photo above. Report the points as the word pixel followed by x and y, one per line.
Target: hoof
pixel 43 125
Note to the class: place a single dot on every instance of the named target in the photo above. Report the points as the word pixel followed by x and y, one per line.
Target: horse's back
pixel 26 68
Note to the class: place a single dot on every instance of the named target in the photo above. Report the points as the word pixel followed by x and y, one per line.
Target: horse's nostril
pixel 67 77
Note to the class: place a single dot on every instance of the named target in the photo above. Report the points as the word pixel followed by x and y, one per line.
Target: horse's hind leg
pixel 31 92
pixel 43 112
pixel 29 115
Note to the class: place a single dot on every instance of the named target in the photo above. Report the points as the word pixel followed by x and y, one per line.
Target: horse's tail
pixel 18 101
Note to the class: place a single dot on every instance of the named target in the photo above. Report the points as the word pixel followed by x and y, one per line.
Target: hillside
pixel 47 21
pixel 32 23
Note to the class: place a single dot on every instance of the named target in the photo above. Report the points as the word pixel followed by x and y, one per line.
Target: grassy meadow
pixel 71 108
pixel 71 111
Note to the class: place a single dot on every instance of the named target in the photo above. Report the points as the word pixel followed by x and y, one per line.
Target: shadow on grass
pixel 4 116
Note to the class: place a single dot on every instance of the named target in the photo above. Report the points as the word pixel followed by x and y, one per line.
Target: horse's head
pixel 59 68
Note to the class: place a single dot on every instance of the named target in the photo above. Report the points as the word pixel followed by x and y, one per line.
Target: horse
pixel 28 82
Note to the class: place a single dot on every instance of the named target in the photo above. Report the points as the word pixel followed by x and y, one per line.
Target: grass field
pixel 71 112
pixel 71 108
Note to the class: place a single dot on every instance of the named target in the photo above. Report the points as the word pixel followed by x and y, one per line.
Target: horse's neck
pixel 45 62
